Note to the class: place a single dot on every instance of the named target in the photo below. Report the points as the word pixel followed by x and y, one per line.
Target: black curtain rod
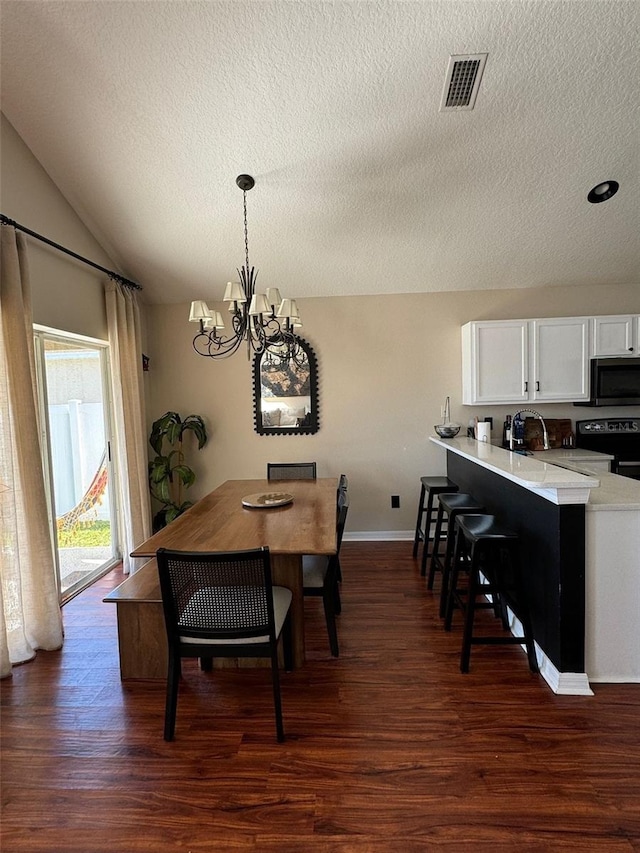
pixel 127 282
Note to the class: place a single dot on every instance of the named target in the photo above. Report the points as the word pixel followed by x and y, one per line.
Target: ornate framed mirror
pixel 285 392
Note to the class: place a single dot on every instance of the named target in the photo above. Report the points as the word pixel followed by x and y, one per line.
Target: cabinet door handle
pixel 537 386
pixel 526 387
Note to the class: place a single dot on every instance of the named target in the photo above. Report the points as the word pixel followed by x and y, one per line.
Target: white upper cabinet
pixel 495 361
pixel 525 361
pixel 616 336
pixel 560 362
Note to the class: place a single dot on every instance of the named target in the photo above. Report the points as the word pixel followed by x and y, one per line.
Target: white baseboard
pixel 379 536
pixel 562 683
pixel 615 679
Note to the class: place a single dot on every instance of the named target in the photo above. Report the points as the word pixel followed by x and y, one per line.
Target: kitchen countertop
pixel 571 454
pixel 568 481
pixel 615 493
pixel 558 485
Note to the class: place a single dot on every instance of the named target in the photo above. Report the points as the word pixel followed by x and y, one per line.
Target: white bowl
pixel 447 430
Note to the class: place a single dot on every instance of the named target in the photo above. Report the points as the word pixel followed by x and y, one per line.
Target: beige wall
pixel 67 294
pixel 386 362
pixel 386 365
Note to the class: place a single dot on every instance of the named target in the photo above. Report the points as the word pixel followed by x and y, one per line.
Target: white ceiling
pixel 144 113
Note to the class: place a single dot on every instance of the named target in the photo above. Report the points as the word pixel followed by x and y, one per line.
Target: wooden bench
pixel 142 638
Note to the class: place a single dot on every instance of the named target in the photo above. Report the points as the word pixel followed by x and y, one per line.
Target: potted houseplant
pixel 168 473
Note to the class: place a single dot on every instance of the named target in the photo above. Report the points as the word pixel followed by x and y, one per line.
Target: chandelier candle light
pixel 265 321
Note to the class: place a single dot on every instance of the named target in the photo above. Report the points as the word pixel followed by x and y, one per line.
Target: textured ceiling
pixel 143 113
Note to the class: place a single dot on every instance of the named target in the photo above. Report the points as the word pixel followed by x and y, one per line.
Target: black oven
pixel 620 437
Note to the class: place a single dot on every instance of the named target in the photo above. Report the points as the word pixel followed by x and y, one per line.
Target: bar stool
pixel 430 487
pixel 490 551
pixel 449 505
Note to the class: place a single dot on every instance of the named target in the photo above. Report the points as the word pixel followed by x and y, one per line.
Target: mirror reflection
pixel 286 392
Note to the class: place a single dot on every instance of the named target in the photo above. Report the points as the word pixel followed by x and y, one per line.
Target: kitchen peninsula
pixel 580 535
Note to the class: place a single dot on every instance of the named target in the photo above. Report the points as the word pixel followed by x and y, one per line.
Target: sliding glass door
pixel 75 414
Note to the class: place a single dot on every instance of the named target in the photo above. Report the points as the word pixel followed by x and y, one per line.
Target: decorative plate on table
pixel 267 500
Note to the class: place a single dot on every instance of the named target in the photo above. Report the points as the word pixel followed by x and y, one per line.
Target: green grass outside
pixel 86 535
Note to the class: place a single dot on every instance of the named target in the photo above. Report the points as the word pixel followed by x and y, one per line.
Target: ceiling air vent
pixel 462 82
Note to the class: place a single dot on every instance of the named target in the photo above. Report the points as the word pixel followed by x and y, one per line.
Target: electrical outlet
pixel 395 501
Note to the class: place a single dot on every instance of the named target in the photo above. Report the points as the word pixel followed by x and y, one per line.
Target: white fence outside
pixel 77 447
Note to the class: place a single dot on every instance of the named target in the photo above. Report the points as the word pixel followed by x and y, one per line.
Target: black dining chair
pixel 291 470
pixel 320 577
pixel 343 485
pixel 222 604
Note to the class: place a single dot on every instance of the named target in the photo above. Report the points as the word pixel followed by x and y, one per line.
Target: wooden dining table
pixel 220 522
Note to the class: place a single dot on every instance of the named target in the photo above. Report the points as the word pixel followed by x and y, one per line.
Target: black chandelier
pixel 266 322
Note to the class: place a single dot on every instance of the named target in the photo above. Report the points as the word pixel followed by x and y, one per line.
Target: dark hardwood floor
pixel 389 747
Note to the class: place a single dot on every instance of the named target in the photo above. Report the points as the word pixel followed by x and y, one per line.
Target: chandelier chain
pixel 246 231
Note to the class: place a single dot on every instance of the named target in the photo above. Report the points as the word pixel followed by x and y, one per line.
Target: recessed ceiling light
pixel 603 191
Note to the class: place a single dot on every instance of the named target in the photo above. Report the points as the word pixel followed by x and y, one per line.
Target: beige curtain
pixel 123 320
pixel 30 615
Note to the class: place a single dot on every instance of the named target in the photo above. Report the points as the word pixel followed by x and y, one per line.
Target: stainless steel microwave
pixel 614 382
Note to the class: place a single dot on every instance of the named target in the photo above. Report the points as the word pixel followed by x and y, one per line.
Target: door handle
pixel 537 386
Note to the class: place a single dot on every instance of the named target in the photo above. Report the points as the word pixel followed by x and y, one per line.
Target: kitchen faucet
pixel 545 434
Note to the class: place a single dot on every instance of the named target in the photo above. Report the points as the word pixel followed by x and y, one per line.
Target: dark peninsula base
pixel 553 558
